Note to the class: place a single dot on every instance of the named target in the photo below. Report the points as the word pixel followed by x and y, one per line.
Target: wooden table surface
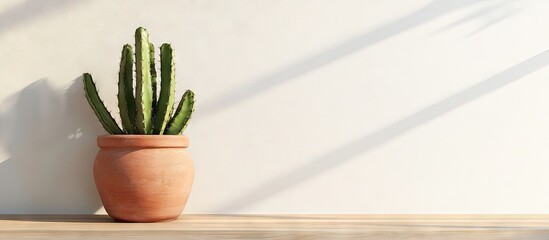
pixel 385 227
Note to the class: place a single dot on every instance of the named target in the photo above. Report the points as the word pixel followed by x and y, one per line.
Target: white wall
pixel 356 106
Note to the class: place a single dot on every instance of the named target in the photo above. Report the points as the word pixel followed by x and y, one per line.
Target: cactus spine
pixel 146 113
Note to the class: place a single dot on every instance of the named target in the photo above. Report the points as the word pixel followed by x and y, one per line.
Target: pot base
pixel 144 221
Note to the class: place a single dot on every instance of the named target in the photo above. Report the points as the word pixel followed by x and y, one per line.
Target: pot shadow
pixel 58 218
pixel 50 141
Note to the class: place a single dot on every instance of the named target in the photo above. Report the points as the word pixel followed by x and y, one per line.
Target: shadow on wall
pixel 429 12
pixel 489 15
pixel 371 141
pixel 30 10
pixel 50 139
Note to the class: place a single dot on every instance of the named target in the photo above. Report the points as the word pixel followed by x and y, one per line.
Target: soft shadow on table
pixel 80 218
pixel 49 136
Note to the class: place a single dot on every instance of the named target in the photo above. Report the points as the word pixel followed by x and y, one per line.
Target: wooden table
pixel 385 227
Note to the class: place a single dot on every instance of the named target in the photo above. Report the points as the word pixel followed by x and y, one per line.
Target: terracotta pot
pixel 143 178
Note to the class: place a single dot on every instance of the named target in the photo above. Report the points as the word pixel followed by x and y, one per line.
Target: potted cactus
pixel 143 171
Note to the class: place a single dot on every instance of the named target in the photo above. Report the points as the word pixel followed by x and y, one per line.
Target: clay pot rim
pixel 142 141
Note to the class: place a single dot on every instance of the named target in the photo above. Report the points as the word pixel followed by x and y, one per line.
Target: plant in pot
pixel 143 171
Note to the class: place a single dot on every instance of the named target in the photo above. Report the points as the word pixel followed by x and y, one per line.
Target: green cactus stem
pixel 98 106
pixel 153 78
pixel 144 91
pixel 144 110
pixel 126 100
pixel 182 115
pixel 167 89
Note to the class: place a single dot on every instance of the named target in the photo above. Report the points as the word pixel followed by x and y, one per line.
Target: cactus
pixel 126 101
pixel 143 89
pixel 146 113
pixel 167 89
pixel 178 123
pixel 98 106
pixel 153 77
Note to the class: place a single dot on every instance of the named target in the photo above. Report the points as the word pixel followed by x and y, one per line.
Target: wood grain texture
pixel 386 227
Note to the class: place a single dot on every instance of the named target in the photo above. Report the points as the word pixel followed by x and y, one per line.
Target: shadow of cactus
pixel 50 140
